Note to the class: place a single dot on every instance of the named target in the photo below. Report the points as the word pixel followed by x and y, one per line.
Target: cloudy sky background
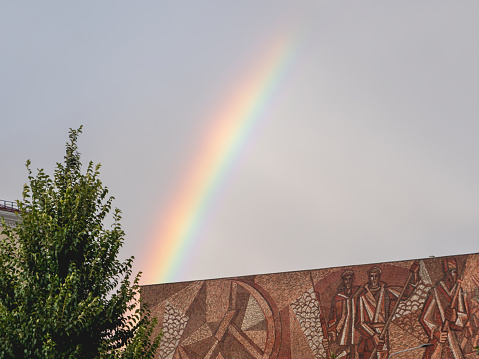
pixel 367 152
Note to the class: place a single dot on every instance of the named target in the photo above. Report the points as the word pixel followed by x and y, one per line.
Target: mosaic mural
pixel 356 312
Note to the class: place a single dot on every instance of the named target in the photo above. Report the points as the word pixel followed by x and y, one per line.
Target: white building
pixel 8 210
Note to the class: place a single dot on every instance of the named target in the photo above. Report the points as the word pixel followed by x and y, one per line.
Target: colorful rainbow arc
pixel 229 131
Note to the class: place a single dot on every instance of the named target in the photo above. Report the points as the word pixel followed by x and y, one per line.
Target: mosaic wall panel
pixel 355 312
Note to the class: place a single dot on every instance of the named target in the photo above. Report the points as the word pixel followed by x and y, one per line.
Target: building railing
pixel 8 206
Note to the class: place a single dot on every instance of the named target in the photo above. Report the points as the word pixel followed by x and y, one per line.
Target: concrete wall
pixel 340 311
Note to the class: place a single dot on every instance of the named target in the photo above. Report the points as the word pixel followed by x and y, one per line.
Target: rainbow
pixel 226 136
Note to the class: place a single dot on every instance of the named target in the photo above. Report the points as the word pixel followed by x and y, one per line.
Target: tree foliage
pixel 63 291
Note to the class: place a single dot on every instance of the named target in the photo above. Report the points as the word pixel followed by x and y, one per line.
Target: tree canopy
pixel 63 291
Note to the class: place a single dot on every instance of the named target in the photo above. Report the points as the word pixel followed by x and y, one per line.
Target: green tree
pixel 63 291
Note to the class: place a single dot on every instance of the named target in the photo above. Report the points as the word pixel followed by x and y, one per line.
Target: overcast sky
pixel 367 151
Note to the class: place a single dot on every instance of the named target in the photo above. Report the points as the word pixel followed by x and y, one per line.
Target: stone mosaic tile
pixel 307 310
pixel 174 322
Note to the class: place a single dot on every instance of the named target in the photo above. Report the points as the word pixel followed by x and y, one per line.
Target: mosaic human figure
pixel 445 315
pixel 375 303
pixel 342 317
